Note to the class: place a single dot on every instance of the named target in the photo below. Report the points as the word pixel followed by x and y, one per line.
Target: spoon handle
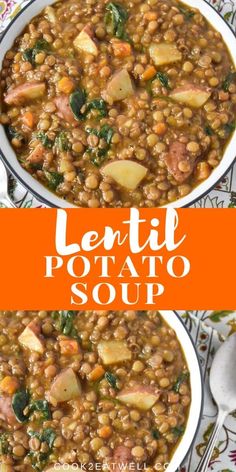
pixel 203 465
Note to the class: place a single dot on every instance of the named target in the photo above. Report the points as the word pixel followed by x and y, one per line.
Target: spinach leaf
pixel 54 179
pixel 156 434
pixel 39 459
pixel 30 53
pixel 116 19
pixel 111 379
pixel 208 130
pixel 20 401
pixel 41 406
pixel 65 322
pixel 62 142
pixel 77 101
pixel 12 133
pixel 163 79
pixel 229 79
pixel 4 445
pixel 181 379
pixel 46 142
pixel 229 128
pixel 178 431
pixel 97 104
pixel 106 133
pixel 188 14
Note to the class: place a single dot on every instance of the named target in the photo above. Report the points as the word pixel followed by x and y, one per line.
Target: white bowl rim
pixel 197 389
pixel 50 199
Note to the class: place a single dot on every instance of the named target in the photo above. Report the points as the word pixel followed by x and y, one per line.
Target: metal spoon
pixel 223 389
pixel 4 196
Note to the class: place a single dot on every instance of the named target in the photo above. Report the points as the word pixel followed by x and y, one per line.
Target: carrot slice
pixel 28 119
pixel 149 73
pixel 66 85
pixel 9 384
pixel 69 347
pixel 121 49
pixel 96 373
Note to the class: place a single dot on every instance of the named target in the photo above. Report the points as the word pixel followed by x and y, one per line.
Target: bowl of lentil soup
pixel 108 388
pixel 109 104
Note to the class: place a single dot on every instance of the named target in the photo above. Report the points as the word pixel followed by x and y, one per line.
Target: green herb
pixel 229 128
pixel 188 14
pixel 106 133
pixel 208 130
pixel 178 431
pixel 4 445
pixel 141 313
pixel 39 459
pixel 111 379
pixel 116 19
pixel 229 79
pixel 54 179
pixel 65 322
pixel 163 79
pixel 97 104
pixel 77 101
pixel 41 406
pixel 46 142
pixel 30 53
pixel 181 379
pixel 156 434
pixel 13 134
pixel 62 142
pixel 20 401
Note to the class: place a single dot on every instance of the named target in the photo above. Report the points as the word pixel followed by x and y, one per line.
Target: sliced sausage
pixel 176 159
pixel 24 92
pixel 6 411
pixel 122 457
pixel 37 155
pixel 64 110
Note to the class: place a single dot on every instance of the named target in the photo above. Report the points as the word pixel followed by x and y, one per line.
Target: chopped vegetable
pixel 46 142
pixel 127 173
pixel 42 406
pixel 181 379
pixel 139 396
pixel 4 444
pixel 77 101
pixel 111 379
pixel 85 42
pixel 62 142
pixel 68 346
pixel 163 79
pixel 229 79
pixel 97 104
pixel 9 384
pixel 30 53
pixel 208 130
pixel 229 127
pixel 116 19
pixel 164 53
pixel 39 459
pixel 66 85
pixel 98 155
pixel 178 431
pixel 30 338
pixel 120 86
pixel 149 73
pixel 28 119
pixel 187 14
pixel 13 134
pixel 121 49
pixel 66 386
pixel 191 94
pixel 156 434
pixel 20 401
pixel 113 352
pixel 54 179
pixel 96 373
pixel 65 322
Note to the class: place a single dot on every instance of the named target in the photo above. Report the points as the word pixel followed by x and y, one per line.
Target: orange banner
pixel 117 259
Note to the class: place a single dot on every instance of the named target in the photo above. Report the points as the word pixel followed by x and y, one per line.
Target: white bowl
pixel 195 413
pixel 41 192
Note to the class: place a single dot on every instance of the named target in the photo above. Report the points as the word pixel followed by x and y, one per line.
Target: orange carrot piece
pixel 66 85
pixel 9 384
pixel 160 128
pixel 96 373
pixel 105 432
pixel 151 15
pixel 28 119
pixel 121 49
pixel 69 347
pixel 149 73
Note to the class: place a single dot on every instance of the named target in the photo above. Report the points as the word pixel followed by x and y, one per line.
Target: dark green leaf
pixel 97 104
pixel 4 444
pixel 20 401
pixel 216 316
pixel 141 313
pixel 65 322
pixel 181 379
pixel 111 379
pixel 178 431
pixel 62 142
pixel 163 79
pixel 188 14
pixel 98 155
pixel 116 19
pixel 30 53
pixel 229 79
pixel 156 434
pixel 41 406
pixel 12 133
pixel 46 142
pixel 229 128
pixel 208 130
pixel 54 179
pixel 77 101
pixel 39 459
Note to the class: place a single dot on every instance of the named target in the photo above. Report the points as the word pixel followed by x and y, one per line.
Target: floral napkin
pixel 208 329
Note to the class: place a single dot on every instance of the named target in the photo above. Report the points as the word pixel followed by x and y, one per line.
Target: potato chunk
pixel 126 173
pixel 22 93
pixel 30 338
pixel 66 386
pixel 191 95
pixel 84 42
pixel 139 396
pixel 120 86
pixel 164 53
pixel 113 352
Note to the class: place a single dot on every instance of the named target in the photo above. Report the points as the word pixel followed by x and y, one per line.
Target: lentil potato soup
pixel 87 388
pixel 119 104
